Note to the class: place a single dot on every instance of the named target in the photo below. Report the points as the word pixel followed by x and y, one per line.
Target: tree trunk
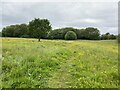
pixel 38 39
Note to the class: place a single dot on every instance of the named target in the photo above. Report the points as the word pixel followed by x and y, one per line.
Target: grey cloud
pixel 61 14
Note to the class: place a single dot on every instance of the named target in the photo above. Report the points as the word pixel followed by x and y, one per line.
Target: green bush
pixel 70 35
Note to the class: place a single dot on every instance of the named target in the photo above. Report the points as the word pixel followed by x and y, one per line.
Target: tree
pixel 15 30
pixel 88 33
pixel 70 35
pixel 21 30
pixel 82 34
pixel 39 28
pixel 92 33
pixel 60 33
pixel 112 36
pixel 4 32
pixel 8 31
pixel 102 37
pixel 108 36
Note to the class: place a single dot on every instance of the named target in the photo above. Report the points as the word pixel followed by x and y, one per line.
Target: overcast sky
pixel 102 15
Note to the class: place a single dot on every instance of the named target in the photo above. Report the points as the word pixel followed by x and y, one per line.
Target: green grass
pixel 59 64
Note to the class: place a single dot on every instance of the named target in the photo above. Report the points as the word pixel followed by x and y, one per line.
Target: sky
pixel 101 15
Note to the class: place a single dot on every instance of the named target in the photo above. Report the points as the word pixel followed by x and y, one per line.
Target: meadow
pixel 27 63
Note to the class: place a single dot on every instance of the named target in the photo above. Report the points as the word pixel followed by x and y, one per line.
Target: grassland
pixel 58 63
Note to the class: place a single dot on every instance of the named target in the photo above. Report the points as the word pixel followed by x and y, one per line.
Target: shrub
pixel 70 35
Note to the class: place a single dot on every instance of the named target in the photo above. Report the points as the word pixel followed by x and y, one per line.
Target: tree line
pixel 42 29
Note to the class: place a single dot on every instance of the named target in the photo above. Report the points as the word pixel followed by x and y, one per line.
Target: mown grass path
pixel 62 76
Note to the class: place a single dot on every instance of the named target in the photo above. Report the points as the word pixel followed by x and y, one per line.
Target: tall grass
pixel 27 63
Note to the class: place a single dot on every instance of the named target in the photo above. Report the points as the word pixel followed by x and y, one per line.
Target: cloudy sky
pixel 102 15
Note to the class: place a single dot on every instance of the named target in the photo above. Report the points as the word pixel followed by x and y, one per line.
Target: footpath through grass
pixel 59 64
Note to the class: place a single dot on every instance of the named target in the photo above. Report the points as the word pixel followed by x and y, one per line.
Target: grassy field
pixel 58 63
